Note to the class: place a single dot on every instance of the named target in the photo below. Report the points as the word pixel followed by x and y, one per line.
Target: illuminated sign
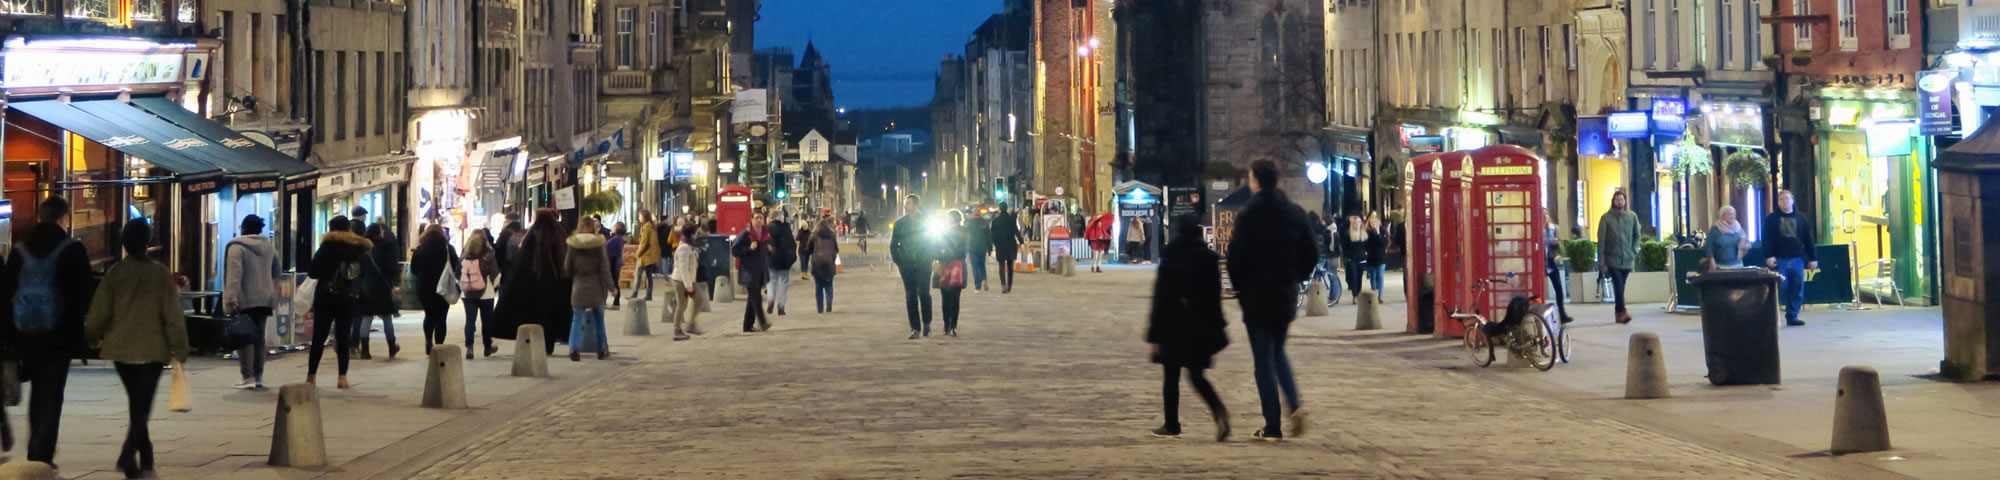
pixel 1632 124
pixel 735 198
pixel 1934 102
pixel 726 167
pixel 1426 144
pixel 202 187
pixel 1891 138
pixel 1409 132
pixel 1507 170
pixel 1669 116
pixel 1843 115
pixel 257 186
pixel 1138 196
pixel 1593 136
pixel 47 68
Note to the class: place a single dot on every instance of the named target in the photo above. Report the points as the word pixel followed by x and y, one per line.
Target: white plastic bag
pixel 302 298
pixel 448 286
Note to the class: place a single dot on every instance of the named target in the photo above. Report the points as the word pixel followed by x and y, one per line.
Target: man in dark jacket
pixel 784 254
pixel 358 221
pixel 1006 233
pixel 978 243
pixel 60 275
pixel 1271 251
pixel 388 255
pixel 753 264
pixel 1788 248
pixel 907 247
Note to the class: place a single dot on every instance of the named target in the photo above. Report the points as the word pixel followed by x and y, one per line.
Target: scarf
pixel 1729 226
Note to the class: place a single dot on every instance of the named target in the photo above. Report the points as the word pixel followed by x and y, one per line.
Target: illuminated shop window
pixel 24 7
pixel 98 9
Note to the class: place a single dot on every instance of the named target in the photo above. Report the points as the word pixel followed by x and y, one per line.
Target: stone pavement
pixel 1049 382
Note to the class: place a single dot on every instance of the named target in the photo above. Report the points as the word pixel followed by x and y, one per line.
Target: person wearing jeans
pixel 433 260
pixel 821 252
pixel 591 280
pixel 476 282
pixel 1618 248
pixel 784 252
pixel 136 322
pixel 1788 248
pixel 249 286
pixel 1271 252
pixel 684 282
pixel 907 248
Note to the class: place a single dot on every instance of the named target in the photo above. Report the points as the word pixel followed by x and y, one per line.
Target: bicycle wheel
pixel 1537 344
pixel 1477 345
pixel 1562 344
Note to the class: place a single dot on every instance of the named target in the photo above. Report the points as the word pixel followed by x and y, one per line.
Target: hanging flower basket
pixel 1746 168
pixel 1692 159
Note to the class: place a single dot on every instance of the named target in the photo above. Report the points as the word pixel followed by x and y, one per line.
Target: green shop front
pixel 1875 191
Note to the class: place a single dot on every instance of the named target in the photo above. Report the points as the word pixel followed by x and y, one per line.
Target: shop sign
pixel 363 178
pixel 725 167
pixel 1426 144
pixel 1187 200
pixel 202 187
pixel 1843 114
pixel 1934 89
pixel 1632 124
pixel 1593 136
pixel 565 198
pixel 257 186
pixel 1891 138
pixel 47 68
pixel 749 107
pixel 683 163
pixel 537 176
pixel 1669 116
pixel 1135 211
pixel 1736 124
pixel 1506 170
pixel 1351 148
pixel 1410 131
pixel 657 168
pixel 301 184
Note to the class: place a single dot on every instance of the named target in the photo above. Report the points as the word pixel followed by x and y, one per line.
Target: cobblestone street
pixel 1048 382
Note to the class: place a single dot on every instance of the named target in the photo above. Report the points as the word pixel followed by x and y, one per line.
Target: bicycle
pixel 1326 277
pixel 1535 338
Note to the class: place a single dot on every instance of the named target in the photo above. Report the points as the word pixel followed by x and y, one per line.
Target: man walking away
pixel 1270 253
pixel 249 283
pixel 978 242
pixel 906 249
pixel 51 294
pixel 1006 233
pixel 784 254
pixel 1788 248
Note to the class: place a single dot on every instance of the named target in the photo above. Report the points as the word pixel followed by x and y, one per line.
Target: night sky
pixel 884 53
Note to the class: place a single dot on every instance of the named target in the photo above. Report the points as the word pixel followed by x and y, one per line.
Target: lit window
pixel 98 9
pixel 24 7
pixel 1899 23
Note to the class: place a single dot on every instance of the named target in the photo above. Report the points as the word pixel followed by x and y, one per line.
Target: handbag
pixel 241 330
pixel 302 296
pixel 448 286
pixel 952 275
pixel 180 397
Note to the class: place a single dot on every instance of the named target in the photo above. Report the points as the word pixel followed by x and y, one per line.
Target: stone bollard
pixel 444 384
pixel 296 438
pixel 725 290
pixel 635 319
pixel 673 298
pixel 1068 266
pixel 25 470
pixel 1368 314
pixel 701 298
pixel 1860 420
pixel 1645 368
pixel 1316 299
pixel 531 358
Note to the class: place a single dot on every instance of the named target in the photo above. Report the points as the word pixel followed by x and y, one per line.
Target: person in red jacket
pixel 1098 232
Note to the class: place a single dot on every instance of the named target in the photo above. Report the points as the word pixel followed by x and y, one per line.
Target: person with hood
pixel 822 252
pixel 1006 240
pixel 1271 251
pixel 951 270
pixel 433 259
pixel 1726 240
pixel 591 279
pixel 614 247
pixel 1098 232
pixel 388 256
pixel 753 265
pixel 1618 248
pixel 349 288
pixel 647 237
pixel 249 288
pixel 136 324
pixel 528 296
pixel 978 242
pixel 1788 248
pixel 50 278
pixel 913 261
pixel 1186 326
pixel 508 241
pixel 687 294
pixel 784 253
pixel 475 284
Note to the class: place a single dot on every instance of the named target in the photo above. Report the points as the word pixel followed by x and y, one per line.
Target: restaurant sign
pixel 55 68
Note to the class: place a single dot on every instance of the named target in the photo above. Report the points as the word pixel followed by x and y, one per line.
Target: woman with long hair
pixel 537 271
pixel 1376 247
pixel 349 288
pixel 949 278
pixel 387 253
pixel 591 278
pixel 135 321
pixel 475 284
pixel 433 260
pixel 1186 326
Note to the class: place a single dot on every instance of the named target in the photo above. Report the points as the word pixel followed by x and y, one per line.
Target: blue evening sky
pixel 884 53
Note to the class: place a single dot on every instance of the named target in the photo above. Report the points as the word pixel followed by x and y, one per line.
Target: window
pixel 1569 45
pixel 340 80
pixel 397 85
pixel 149 10
pixel 319 100
pixel 1724 30
pixel 1850 40
pixel 97 9
pixel 1673 35
pixel 1899 23
pixel 24 7
pixel 659 44
pixel 1646 25
pixel 628 46
pixel 383 91
pixel 185 11
pixel 1802 32
pixel 1753 34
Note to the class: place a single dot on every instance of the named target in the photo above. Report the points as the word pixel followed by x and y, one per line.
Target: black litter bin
pixel 1739 325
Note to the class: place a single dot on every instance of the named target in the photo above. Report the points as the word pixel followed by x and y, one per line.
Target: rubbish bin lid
pixel 1751 274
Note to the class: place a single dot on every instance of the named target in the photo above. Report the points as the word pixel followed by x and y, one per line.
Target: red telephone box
pixel 1504 227
pixel 733 209
pixel 1448 260
pixel 1418 176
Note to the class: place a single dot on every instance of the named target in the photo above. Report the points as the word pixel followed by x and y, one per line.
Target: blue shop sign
pixel 1593 136
pixel 1626 125
pixel 1669 116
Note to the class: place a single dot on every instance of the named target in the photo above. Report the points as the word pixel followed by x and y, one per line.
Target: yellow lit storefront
pixel 1874 187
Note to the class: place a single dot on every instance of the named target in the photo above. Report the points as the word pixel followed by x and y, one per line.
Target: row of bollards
pixel 1860 417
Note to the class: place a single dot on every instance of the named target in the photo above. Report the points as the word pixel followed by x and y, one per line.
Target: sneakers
pixel 1297 427
pixel 694 331
pixel 953 333
pixel 913 334
pixel 246 385
pixel 1167 432
pixel 679 335
pixel 1793 322
pixel 1262 435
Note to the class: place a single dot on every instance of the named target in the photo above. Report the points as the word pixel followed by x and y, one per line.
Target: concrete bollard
pixel 701 299
pixel 1860 420
pixel 25 470
pixel 635 319
pixel 1645 368
pixel 725 290
pixel 296 438
pixel 1368 314
pixel 673 298
pixel 444 384
pixel 1068 266
pixel 1316 299
pixel 531 359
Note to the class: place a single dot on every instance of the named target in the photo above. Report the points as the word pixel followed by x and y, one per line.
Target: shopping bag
pixel 448 286
pixel 302 298
pixel 179 397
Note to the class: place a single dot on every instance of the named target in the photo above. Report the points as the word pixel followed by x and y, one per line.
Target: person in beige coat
pixel 135 322
pixel 591 280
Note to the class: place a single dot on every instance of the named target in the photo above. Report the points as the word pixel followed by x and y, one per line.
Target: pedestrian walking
pixel 1099 235
pixel 753 265
pixel 647 237
pixel 1354 245
pixel 433 260
pixel 803 237
pixel 1271 251
pixel 388 256
pixel 978 243
pixel 1618 248
pixel 1789 239
pixel 823 253
pixel 249 288
pixel 1135 241
pixel 1006 240
pixel 685 282
pixel 476 286
pixel 52 290
pixel 136 324
pixel 1186 327
pixel 951 271
pixel 784 251
pixel 358 221
pixel 1727 242
pixel 349 288
pixel 614 247
pixel 1376 247
pixel 591 279
pixel 528 295
pixel 913 260
pixel 1552 244
pixel 509 240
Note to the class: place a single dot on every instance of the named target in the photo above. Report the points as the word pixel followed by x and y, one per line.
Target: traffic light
pixel 779 184
pixel 999 189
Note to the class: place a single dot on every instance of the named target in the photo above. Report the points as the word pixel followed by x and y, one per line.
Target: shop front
pixel 443 176
pixel 488 170
pixel 1875 188
pixel 380 186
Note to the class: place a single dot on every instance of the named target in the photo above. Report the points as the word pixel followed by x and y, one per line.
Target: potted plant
pixel 1800 57
pixel 1746 168
pixel 1582 254
pixel 1774 61
pixel 1651 282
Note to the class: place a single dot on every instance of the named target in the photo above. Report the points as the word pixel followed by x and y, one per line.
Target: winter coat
pixel 687 265
pixel 428 265
pixel 530 294
pixel 250 273
pixel 389 255
pixel 906 242
pixel 978 237
pixel 1187 322
pixel 1271 251
pixel 489 272
pixel 823 249
pixel 649 245
pixel 784 245
pixel 137 318
pixel 73 282
pixel 590 273
pixel 753 265
pixel 1788 235
pixel 614 250
pixel 1618 239
pixel 1376 247
pixel 1355 250
pixel 335 250
pixel 1006 237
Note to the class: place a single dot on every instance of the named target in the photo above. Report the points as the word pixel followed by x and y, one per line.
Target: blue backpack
pixel 38 307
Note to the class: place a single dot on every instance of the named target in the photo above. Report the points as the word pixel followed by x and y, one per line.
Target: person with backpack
pixel 475 284
pixel 249 284
pixel 433 260
pixel 348 287
pixel 823 252
pixel 137 325
pixel 52 291
pixel 784 253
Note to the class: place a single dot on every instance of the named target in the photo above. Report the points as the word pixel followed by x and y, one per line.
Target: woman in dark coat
pixel 428 263
pixel 530 294
pixel 951 249
pixel 1186 326
pixel 387 253
pixel 753 270
pixel 1006 233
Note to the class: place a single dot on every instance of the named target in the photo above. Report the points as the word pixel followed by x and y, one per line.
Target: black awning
pixel 286 165
pixel 117 138
pixel 175 138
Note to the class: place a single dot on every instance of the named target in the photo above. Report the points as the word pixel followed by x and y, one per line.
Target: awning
pixel 287 166
pixel 179 139
pixel 117 138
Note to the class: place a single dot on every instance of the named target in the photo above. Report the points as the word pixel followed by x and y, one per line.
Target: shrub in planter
pixel 1582 254
pixel 1653 256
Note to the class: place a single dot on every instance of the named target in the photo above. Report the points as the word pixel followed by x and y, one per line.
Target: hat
pixel 358 211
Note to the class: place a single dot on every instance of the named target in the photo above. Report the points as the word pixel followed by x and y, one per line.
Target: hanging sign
pixel 1626 125
pixel 1669 116
pixel 1934 89
pixel 1427 144
pixel 245 187
pixel 565 198
pixel 1593 136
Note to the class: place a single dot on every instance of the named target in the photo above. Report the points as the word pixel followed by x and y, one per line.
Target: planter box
pixel 1583 288
pixel 1648 287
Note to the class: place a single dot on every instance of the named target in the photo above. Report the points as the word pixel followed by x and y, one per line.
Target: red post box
pixel 1418 179
pixel 1504 227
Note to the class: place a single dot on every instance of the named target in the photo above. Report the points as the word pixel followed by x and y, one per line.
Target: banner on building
pixel 749 107
pixel 1934 89
pixel 1593 136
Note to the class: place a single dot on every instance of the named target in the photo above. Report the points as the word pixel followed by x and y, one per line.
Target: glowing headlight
pixel 937 226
